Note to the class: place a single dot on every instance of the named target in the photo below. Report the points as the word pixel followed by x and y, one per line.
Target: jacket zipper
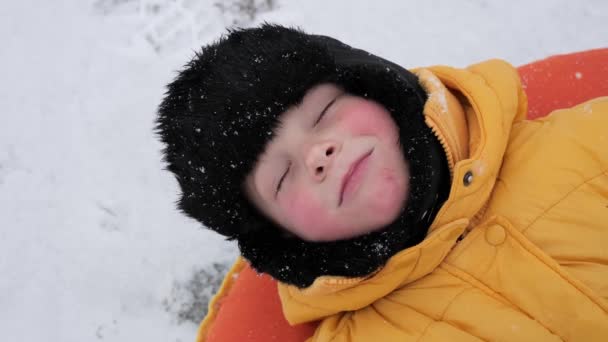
pixel 480 214
pixel 444 144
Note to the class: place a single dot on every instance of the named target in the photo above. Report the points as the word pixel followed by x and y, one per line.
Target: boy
pixel 395 205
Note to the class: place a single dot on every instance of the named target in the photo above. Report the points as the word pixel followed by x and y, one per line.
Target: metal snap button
pixel 468 178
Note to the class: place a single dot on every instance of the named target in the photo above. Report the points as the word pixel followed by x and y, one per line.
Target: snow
pixel 439 95
pixel 91 245
pixel 588 109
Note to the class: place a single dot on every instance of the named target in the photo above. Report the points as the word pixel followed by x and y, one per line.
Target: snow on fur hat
pixel 221 110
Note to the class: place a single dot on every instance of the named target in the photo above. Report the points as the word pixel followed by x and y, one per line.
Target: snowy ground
pixel 91 246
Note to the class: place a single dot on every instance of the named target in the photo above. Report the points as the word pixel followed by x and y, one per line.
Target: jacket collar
pixel 457 97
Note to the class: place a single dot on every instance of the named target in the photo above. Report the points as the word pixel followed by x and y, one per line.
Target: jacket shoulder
pixel 553 188
pixel 405 314
pixel 547 159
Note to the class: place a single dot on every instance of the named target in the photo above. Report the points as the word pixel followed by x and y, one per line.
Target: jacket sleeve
pixel 584 126
pixel 554 188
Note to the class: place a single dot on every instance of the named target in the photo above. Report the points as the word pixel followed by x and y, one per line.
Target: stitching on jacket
pixel 561 199
pixel 388 299
pixel 480 286
pixel 541 256
pixel 492 294
pixel 385 318
pixel 441 316
pixel 448 323
pixel 425 330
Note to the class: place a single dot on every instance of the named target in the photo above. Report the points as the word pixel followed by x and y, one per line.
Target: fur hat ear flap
pixel 221 110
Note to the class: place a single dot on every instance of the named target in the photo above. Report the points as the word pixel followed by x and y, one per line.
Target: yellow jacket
pixel 519 252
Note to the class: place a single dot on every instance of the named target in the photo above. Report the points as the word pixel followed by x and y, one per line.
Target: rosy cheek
pixel 307 217
pixel 390 194
pixel 362 117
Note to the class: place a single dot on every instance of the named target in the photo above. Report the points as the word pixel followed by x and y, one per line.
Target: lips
pixel 352 178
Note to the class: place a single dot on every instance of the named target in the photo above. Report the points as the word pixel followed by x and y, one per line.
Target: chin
pixel 387 200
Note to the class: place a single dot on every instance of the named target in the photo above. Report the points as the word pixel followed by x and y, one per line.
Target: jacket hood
pixel 471 111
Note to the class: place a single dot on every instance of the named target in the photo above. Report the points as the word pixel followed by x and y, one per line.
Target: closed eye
pixel 325 110
pixel 282 179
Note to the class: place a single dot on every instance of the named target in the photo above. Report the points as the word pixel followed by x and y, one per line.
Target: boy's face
pixel 334 176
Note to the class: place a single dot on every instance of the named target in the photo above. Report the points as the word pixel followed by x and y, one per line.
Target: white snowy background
pixel 91 245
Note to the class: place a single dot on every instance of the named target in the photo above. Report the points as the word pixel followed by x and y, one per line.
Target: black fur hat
pixel 221 110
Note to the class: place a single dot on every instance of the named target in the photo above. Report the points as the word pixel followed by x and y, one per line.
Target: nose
pixel 319 158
